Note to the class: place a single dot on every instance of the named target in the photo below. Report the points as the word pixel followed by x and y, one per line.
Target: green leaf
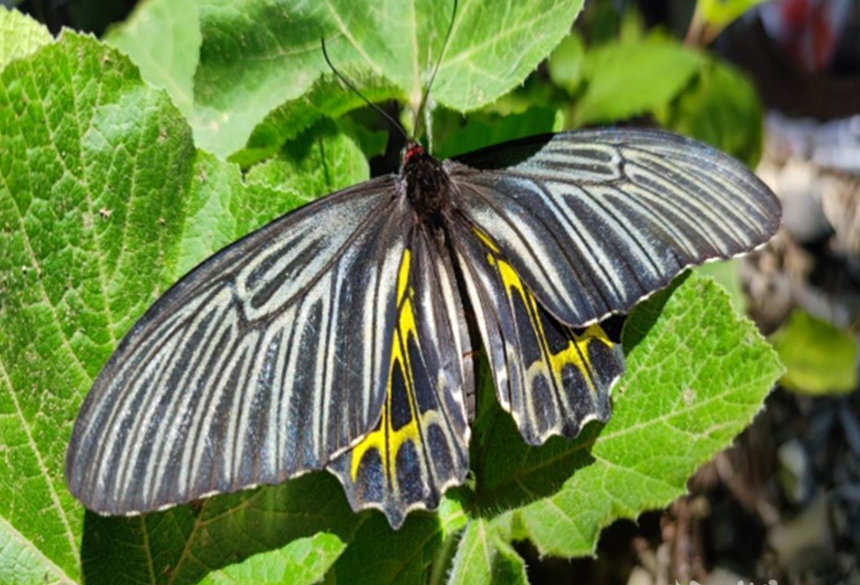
pixel 327 98
pixel 478 68
pixel 565 64
pixel 722 108
pixel 105 202
pixel 21 561
pixel 265 55
pixel 484 557
pixel 721 13
pixel 19 35
pixel 303 561
pixel 632 78
pixel 696 375
pixel 820 357
pixel 163 39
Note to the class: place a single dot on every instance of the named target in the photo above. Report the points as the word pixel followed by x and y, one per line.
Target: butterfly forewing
pixel 594 221
pixel 262 363
pixel 420 445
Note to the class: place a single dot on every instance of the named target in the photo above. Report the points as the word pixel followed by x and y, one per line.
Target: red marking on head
pixel 412 151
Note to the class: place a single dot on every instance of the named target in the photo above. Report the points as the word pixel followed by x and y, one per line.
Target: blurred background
pixel 777 85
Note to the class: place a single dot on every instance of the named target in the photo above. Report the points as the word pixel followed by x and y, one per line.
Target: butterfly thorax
pixel 426 183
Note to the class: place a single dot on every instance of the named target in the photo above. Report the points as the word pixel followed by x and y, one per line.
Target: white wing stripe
pixel 631 207
pixel 220 384
pixel 146 415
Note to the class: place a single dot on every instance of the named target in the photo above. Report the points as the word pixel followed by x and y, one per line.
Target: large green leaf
pixel 268 55
pixel 696 375
pixel 105 202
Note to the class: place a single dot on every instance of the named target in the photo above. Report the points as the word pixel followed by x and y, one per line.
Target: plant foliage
pixel 108 195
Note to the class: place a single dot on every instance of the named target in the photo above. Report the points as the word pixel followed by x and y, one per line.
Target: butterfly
pixel 340 336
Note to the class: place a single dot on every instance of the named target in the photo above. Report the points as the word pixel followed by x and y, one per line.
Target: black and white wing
pixel 555 234
pixel 551 377
pixel 593 221
pixel 420 446
pixel 265 361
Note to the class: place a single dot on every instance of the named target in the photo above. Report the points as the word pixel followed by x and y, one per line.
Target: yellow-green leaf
pixel 820 357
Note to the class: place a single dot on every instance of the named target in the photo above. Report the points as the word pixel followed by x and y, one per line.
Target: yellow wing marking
pixel 387 440
pixel 576 352
pixel 485 239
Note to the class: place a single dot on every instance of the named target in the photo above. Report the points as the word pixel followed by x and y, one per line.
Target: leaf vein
pixel 43 468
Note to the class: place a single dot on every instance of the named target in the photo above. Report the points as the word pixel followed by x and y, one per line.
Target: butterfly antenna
pixel 436 68
pixel 350 85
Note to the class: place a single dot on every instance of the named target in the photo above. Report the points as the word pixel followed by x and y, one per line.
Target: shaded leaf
pixel 319 161
pixel 456 134
pixel 722 108
pixel 303 561
pixel 819 357
pixel 378 554
pixel 185 544
pixel 628 79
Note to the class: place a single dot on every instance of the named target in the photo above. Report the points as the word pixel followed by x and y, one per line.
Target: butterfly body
pixel 426 184
pixel 335 337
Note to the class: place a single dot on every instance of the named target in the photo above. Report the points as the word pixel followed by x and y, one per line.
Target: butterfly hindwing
pixel 552 378
pixel 419 446
pixel 593 221
pixel 262 363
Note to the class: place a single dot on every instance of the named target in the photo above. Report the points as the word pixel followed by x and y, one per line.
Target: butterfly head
pixel 424 182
